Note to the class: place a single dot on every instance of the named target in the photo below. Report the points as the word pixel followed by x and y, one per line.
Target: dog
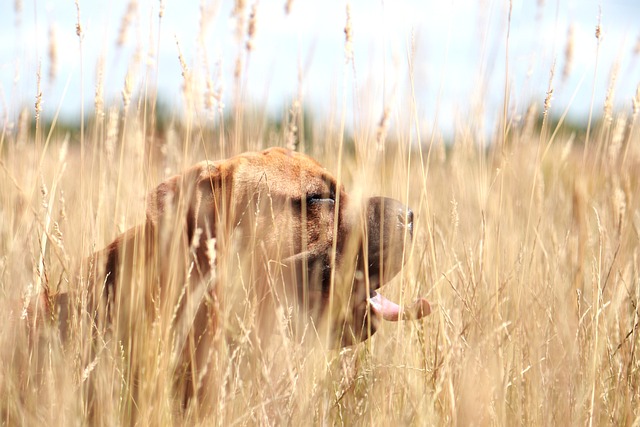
pixel 270 230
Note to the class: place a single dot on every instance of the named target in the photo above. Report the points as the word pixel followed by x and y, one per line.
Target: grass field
pixel 527 246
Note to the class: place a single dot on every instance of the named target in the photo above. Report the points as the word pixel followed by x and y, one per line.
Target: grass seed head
pixel 348 36
pixel 381 132
pixel 112 134
pixel 78 22
pixel 454 216
pixel 287 6
pixel 38 104
pixel 23 127
pixel 125 23
pixel 568 53
pixel 127 90
pixel 98 99
pixel 617 137
pixel 238 13
pixel 53 53
pixel 549 97
pixel 251 30
pixel 611 90
pixel 620 207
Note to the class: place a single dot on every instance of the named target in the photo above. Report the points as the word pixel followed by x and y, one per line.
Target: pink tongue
pixel 391 311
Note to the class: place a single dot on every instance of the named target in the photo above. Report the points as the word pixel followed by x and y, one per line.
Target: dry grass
pixel 529 250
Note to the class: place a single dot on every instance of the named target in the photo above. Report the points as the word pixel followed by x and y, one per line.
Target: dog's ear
pixel 186 199
pixel 161 197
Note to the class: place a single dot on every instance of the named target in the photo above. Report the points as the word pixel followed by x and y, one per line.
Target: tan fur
pixel 285 237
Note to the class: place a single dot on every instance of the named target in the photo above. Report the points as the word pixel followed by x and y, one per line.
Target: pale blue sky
pixel 459 45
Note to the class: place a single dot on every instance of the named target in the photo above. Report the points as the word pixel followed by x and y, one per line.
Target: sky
pixel 449 57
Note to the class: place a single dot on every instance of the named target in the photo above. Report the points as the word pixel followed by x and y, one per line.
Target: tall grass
pixel 528 249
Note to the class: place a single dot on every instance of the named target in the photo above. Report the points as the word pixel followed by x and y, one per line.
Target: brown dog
pixel 269 230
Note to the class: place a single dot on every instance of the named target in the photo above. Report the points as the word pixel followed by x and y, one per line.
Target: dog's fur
pixel 267 230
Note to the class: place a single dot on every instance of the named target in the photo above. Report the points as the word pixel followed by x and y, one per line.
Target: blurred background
pixel 450 56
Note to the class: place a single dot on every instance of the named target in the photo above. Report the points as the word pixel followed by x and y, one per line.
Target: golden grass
pixel 528 250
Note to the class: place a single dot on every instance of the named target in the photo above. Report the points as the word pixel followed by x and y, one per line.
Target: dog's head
pixel 288 214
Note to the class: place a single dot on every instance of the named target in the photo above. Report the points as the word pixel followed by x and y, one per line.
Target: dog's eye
pixel 321 197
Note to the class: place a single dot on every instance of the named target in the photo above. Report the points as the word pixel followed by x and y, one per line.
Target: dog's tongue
pixel 391 311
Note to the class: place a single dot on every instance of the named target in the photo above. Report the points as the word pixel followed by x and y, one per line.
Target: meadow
pixel 526 242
